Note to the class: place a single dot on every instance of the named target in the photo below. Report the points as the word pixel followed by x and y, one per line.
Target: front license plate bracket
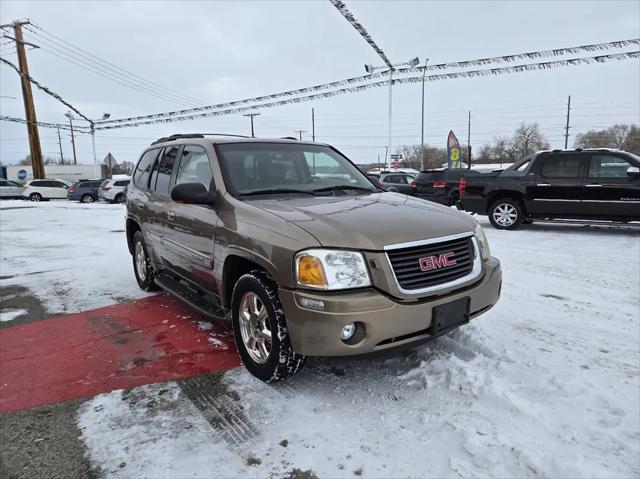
pixel 448 316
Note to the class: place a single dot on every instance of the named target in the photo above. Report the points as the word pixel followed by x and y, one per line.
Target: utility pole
pixel 60 145
pixel 469 142
pixel 73 141
pixel 27 96
pixel 313 124
pixel 300 132
pixel 566 129
pixel 251 115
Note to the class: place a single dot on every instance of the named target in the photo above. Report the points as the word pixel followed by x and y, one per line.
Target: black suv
pixel 440 186
pixel 597 184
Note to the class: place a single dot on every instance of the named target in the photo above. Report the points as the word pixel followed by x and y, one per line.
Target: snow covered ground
pixel 547 384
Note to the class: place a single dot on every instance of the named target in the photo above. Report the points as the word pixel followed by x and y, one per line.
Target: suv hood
pixel 369 221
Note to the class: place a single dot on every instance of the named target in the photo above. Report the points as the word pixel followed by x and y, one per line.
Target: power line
pixel 64 45
pixel 43 124
pixel 163 118
pixel 44 88
pixel 349 17
pixel 105 73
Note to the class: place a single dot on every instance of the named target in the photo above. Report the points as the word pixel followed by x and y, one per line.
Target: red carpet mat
pixel 139 342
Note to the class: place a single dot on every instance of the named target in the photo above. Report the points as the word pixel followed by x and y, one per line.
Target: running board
pixel 202 302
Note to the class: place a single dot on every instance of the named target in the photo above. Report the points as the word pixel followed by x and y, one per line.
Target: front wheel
pixel 87 199
pixel 35 197
pixel 506 214
pixel 142 267
pixel 260 329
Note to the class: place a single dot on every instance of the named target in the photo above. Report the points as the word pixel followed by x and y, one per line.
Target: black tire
pixel 87 198
pixel 35 197
pixel 506 214
pixel 144 271
pixel 120 198
pixel 282 362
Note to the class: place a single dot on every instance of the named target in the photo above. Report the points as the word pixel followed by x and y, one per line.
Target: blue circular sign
pixel 22 175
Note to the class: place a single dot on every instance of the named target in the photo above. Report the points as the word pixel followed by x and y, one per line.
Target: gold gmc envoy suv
pixel 304 254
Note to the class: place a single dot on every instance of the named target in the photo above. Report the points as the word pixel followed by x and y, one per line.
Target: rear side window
pixel 608 166
pixel 143 170
pixel 194 167
pixel 162 170
pixel 37 183
pixel 84 185
pixel 121 183
pixel 4 183
pixel 561 166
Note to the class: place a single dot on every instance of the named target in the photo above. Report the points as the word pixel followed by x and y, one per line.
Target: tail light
pixel 439 184
pixel 380 184
pixel 72 190
pixel 462 186
pixel 414 185
pixel 105 189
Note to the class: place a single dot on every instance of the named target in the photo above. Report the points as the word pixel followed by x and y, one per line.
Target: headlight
pixel 482 241
pixel 331 269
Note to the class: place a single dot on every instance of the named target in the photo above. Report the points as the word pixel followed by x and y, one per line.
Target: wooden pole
pixel 29 108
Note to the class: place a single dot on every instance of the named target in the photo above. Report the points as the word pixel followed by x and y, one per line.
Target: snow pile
pixel 72 256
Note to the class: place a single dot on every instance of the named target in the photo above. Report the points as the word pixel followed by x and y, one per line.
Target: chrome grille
pixel 405 263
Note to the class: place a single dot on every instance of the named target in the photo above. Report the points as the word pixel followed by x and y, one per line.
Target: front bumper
pixel 387 323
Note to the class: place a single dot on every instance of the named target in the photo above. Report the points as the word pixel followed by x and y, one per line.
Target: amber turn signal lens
pixel 311 272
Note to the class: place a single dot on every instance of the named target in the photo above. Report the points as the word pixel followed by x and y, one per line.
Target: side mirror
pixel 633 171
pixel 193 194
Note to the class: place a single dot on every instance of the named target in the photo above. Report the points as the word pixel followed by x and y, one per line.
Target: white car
pixel 10 189
pixel 47 189
pixel 114 190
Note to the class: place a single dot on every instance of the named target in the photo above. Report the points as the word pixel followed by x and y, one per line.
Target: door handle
pixel 591 185
pixel 171 215
pixel 543 184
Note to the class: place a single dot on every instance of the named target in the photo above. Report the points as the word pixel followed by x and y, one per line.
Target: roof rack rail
pixel 289 138
pixel 194 135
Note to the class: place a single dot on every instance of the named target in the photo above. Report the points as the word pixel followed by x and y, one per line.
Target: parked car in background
pixel 597 184
pixel 441 186
pixel 10 190
pixel 398 182
pixel 84 191
pixel 114 190
pixel 47 189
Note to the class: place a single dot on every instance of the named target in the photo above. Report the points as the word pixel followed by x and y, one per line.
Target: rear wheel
pixel 87 199
pixel 119 198
pixel 142 267
pixel 506 214
pixel 260 329
pixel 35 197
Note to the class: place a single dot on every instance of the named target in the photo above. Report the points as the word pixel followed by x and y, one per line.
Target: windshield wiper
pixel 275 191
pixel 343 187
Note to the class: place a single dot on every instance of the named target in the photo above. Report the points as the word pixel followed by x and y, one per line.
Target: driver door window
pixel 194 167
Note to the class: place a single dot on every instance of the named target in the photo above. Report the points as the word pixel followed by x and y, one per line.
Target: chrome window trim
pixel 473 275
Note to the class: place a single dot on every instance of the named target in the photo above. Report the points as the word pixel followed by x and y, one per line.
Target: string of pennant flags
pixel 356 84
pixel 45 89
pixel 162 118
pixel 43 124
pixel 374 76
pixel 349 17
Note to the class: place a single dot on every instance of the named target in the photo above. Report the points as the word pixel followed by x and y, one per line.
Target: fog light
pixel 347 332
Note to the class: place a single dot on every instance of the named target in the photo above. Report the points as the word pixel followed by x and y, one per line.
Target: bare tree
pixel 621 136
pixel 527 139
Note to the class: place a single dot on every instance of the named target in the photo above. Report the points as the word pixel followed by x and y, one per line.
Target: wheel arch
pixel 502 194
pixel 237 264
pixel 131 227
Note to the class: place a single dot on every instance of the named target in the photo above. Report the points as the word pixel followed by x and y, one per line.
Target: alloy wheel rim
pixel 254 327
pixel 141 261
pixel 505 214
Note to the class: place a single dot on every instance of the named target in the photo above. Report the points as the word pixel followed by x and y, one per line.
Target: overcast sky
pixel 223 51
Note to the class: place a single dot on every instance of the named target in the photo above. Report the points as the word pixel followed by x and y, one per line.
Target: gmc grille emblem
pixel 429 263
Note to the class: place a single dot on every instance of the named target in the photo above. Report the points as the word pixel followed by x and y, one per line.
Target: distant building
pixel 63 172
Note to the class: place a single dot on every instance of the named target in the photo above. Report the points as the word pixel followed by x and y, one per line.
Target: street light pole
pixel 370 69
pixel 73 141
pixel 93 146
pixel 424 72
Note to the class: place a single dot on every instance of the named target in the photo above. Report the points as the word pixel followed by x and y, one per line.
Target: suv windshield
pixel 272 168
